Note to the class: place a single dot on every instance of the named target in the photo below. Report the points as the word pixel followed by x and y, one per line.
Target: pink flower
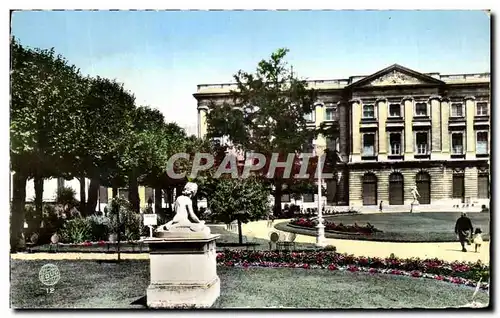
pixel 438 277
pixel 245 264
pixel 101 243
pixel 372 270
pixel 332 267
pixel 352 269
pixel 416 274
pixel 306 266
pixel 229 263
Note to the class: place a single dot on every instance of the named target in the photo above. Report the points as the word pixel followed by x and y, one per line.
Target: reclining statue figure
pixel 183 208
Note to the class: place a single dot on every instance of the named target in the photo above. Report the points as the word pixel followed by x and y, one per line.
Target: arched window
pixel 423 180
pixel 369 189
pixel 396 189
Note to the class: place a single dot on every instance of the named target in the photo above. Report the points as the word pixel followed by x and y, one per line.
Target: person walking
pixel 478 239
pixel 463 229
pixel 380 206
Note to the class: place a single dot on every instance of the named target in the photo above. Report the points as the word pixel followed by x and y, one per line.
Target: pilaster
pixel 470 110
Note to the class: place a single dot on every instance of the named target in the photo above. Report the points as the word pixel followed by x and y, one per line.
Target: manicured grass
pixel 402 227
pixel 91 284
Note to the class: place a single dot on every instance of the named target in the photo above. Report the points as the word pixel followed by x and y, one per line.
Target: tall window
pixel 395 110
pixel 457 143
pixel 482 142
pixel 421 109
pixel 368 111
pixel 422 143
pixel 395 143
pixel 458 184
pixel 483 186
pixel 103 194
pixel 457 110
pixel 123 193
pixel 368 144
pixel 308 197
pixel 309 117
pixel 396 189
pixel 330 113
pixel 423 181
pixel 285 198
pixel 481 108
pixel 330 143
pixel 149 194
pixel 369 189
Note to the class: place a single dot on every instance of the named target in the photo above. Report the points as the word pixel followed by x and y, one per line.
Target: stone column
pixel 355 134
pixel 202 119
pixel 470 110
pixel 408 135
pixel 382 134
pixel 319 118
pixel 445 134
pixel 435 102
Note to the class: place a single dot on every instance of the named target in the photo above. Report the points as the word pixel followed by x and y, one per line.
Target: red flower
pixel 87 243
pixel 416 274
pixel 372 270
pixel 229 263
pixel 438 277
pixel 245 264
pixel 352 269
pixel 332 267
pixel 396 272
pixel 101 243
pixel 306 266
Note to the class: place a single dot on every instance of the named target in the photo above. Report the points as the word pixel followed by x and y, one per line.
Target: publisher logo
pixel 49 275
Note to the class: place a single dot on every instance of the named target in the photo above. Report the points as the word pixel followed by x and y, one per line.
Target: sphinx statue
pixel 183 208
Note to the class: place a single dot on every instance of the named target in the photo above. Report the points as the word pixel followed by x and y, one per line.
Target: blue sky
pixel 162 56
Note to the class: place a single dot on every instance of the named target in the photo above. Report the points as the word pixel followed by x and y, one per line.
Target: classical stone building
pixel 401 129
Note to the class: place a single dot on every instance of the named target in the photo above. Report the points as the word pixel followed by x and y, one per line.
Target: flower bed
pixel 332 227
pixel 455 272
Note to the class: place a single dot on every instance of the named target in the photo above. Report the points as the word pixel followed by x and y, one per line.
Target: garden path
pixel 445 251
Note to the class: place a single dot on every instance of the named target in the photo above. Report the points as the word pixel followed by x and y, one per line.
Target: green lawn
pixel 403 227
pixel 91 284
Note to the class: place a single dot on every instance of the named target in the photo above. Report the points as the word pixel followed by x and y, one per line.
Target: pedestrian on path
pixel 478 239
pixel 463 229
pixel 380 206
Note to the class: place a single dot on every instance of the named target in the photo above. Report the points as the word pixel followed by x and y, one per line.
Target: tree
pixel 242 200
pixel 44 89
pixel 105 127
pixel 267 114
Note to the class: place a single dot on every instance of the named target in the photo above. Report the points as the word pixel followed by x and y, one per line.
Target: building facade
pixel 400 129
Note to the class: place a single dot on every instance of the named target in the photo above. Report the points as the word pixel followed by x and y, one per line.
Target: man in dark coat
pixel 463 228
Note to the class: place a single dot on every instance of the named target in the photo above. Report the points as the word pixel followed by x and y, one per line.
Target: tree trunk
pixel 240 234
pixel 114 192
pixel 133 193
pixel 277 198
pixel 17 210
pixel 93 196
pixel 158 197
pixel 82 196
pixel 37 218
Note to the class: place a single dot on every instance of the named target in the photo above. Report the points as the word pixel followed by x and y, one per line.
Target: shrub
pixel 66 196
pixel 76 231
pixel 130 224
pixel 330 248
pixel 99 227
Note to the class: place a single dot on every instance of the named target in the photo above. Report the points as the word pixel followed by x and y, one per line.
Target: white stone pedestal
pixel 183 270
pixel 415 207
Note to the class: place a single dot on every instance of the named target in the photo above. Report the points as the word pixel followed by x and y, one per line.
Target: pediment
pixel 395 78
pixel 396 75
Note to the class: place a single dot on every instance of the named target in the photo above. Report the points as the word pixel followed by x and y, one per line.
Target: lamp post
pixel 320 239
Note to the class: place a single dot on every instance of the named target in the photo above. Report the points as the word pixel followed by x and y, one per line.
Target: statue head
pixel 190 189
